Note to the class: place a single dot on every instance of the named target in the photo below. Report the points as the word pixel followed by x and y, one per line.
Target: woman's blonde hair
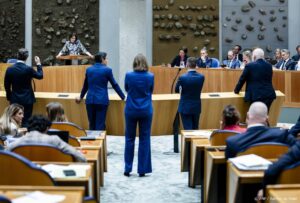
pixel 140 63
pixel 56 112
pixel 7 118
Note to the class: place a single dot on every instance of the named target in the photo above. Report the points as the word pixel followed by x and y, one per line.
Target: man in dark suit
pixel 204 61
pixel 190 85
pixel 286 63
pixel 258 77
pixel 257 132
pixel 17 83
pixel 297 56
pixel 236 50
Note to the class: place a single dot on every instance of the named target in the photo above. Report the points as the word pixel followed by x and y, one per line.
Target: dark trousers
pixel 27 114
pixel 190 121
pixel 97 116
pixel 144 153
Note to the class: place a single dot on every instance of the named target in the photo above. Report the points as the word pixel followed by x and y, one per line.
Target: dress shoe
pixel 142 174
pixel 126 174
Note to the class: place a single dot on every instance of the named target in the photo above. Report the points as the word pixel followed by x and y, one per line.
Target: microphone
pixel 179 69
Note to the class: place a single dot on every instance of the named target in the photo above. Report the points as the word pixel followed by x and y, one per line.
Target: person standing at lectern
pixel 17 83
pixel 95 85
pixel 258 77
pixel 139 85
pixel 189 85
pixel 73 47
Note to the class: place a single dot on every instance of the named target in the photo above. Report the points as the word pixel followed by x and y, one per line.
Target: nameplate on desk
pixel 63 95
pixel 214 95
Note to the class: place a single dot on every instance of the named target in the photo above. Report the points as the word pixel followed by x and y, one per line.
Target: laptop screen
pixel 64 135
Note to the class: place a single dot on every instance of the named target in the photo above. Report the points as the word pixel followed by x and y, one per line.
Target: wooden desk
pixel 164 110
pixel 87 181
pixel 242 186
pixel 72 194
pixel 186 139
pixel 283 193
pixel 215 171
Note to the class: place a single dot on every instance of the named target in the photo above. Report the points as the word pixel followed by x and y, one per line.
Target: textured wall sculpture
pixel 190 23
pixel 12 20
pixel 54 20
pixel 252 23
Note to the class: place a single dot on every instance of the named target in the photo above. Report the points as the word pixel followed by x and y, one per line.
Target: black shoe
pixel 142 174
pixel 126 174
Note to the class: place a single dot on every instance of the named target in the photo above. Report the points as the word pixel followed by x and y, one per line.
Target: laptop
pixel 63 135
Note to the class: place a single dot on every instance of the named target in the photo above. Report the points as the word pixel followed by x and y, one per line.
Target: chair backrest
pixel 290 175
pixel 43 152
pixel 4 199
pixel 73 141
pixel 218 137
pixel 73 129
pixel 12 61
pixel 215 63
pixel 267 150
pixel 17 170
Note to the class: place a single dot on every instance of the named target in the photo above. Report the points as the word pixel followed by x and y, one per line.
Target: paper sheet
pixel 38 197
pixel 250 162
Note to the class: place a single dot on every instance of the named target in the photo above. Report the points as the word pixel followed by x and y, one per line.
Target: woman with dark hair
pixel 181 58
pixel 230 119
pixel 95 85
pixel 73 47
pixel 11 120
pixel 138 111
pixel 56 112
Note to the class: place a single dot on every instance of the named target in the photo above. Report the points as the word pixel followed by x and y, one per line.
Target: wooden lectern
pixel 73 58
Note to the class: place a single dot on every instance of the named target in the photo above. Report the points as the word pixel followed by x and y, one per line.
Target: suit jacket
pixel 191 84
pixel 289 65
pixel 258 78
pixel 95 84
pixel 207 64
pixel 139 87
pixel 254 135
pixel 35 137
pixel 17 83
pixel 233 64
pixel 177 59
pixel 296 57
pixel 296 128
pixel 288 160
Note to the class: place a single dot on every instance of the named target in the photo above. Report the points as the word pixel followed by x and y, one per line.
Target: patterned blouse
pixel 73 48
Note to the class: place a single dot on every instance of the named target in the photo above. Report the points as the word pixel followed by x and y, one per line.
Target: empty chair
pixel 73 129
pixel 73 141
pixel 267 150
pixel 17 170
pixel 218 137
pixel 43 152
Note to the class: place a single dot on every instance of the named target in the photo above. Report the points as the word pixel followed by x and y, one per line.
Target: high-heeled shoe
pixel 126 174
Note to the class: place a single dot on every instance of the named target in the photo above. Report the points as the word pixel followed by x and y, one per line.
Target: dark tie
pixel 283 66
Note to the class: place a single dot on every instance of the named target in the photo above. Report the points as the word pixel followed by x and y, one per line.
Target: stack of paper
pixel 200 133
pixel 38 197
pixel 250 162
pixel 57 171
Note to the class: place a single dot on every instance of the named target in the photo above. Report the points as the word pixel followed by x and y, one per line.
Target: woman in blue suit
pixel 139 86
pixel 95 84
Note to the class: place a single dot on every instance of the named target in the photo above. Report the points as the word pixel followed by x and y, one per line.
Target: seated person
pixel 204 61
pixel 257 131
pixel 180 59
pixel 230 119
pixel 231 62
pixel 236 51
pixel 11 120
pixel 38 126
pixel 55 112
pixel 73 47
pixel 286 63
pixel 297 56
pixel 247 55
pixel 277 55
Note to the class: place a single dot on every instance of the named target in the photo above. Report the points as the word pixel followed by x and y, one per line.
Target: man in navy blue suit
pixel 257 132
pixel 190 85
pixel 286 63
pixel 258 77
pixel 295 129
pixel 95 85
pixel 17 83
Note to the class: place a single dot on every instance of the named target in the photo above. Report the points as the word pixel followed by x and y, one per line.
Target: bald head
pixel 258 53
pixel 258 113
